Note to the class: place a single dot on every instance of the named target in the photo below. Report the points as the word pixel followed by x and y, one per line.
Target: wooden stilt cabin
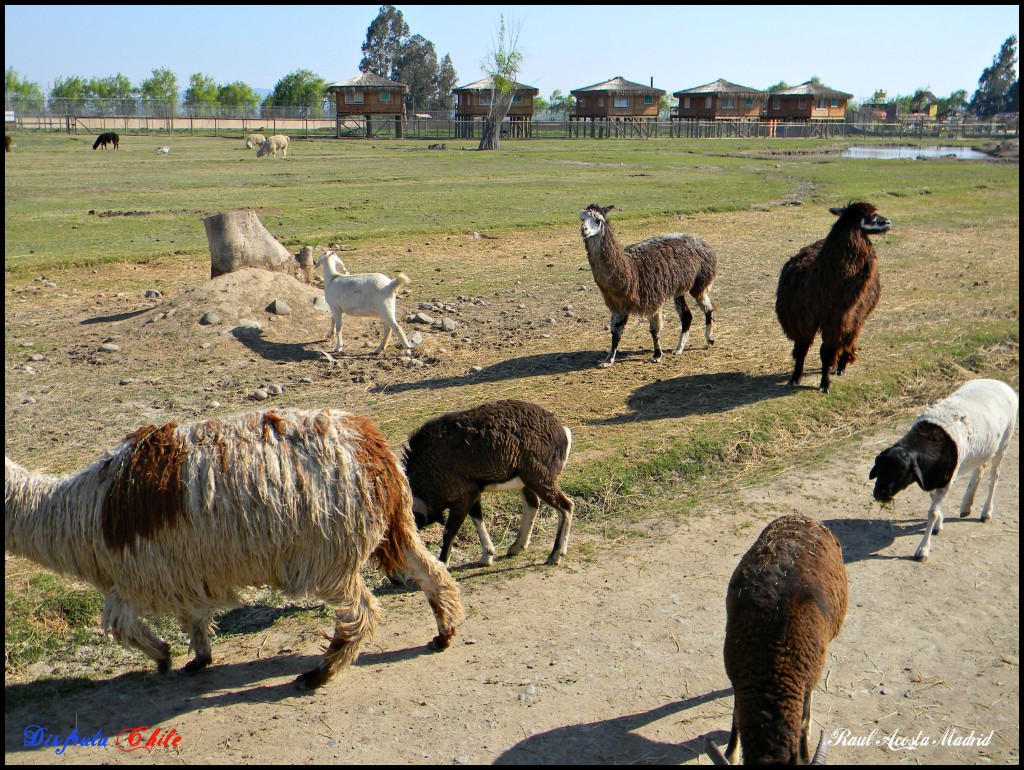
pixel 370 98
pixel 807 101
pixel 473 104
pixel 720 100
pixel 616 107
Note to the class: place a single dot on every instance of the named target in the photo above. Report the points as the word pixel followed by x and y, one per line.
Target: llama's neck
pixel 53 520
pixel 850 249
pixel 614 271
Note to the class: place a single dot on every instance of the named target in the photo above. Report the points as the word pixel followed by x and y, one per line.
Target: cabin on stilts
pixel 473 104
pixel 616 107
pixel 371 102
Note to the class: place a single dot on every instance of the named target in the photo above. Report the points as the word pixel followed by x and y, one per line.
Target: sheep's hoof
pixel 198 663
pixel 487 560
pixel 920 556
pixel 965 514
pixel 311 679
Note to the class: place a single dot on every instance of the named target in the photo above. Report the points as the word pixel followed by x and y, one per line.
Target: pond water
pixel 913 153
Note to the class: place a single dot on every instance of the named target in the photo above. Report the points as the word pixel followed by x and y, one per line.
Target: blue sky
pixel 857 49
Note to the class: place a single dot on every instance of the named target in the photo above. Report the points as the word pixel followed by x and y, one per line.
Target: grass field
pixel 651 441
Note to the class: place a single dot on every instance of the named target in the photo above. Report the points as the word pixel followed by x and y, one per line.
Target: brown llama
pixel 831 285
pixel 639 279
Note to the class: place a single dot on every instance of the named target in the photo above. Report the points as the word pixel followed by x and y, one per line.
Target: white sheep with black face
pixel 961 434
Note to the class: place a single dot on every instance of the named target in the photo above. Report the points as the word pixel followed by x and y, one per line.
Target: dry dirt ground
pixel 616 660
pixel 612 657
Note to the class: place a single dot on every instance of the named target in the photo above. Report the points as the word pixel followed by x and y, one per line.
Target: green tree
pixel 201 95
pixel 997 88
pixel 561 104
pixel 69 95
pixel 502 65
pixel 540 105
pixel 416 67
pixel 447 79
pixel 239 97
pixel 302 92
pixel 112 95
pixel 21 94
pixel 161 88
pixel 782 85
pixel 384 38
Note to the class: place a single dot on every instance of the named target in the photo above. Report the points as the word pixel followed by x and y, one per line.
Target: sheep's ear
pixel 836 211
pixel 874 471
pixel 606 209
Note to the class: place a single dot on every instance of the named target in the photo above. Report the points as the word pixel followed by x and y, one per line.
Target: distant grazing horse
pixel 108 138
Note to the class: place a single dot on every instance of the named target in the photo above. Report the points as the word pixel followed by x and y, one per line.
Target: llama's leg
pixel 707 304
pixel 685 319
pixel 355 619
pixel 618 323
pixel 197 626
pixel 799 355
pixel 123 623
pixel 657 321
pixel 434 580
pixel 531 504
pixel 805 727
pixel 934 525
pixel 972 487
pixel 476 513
pixel 829 354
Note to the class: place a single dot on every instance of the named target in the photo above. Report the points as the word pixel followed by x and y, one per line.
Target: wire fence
pixel 144 117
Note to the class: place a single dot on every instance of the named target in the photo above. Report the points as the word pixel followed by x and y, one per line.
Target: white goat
pixel 178 518
pixel 273 144
pixel 367 295
pixel 960 434
pixel 165 150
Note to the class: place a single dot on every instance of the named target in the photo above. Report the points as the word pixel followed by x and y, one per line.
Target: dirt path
pixel 612 659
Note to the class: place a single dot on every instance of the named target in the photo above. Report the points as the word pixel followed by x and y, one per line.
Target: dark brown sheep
pixel 501 445
pixel 831 285
pixel 108 138
pixel 786 601
pixel 641 278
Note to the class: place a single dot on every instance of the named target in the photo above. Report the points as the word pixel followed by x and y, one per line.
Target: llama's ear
pixel 836 211
pixel 606 209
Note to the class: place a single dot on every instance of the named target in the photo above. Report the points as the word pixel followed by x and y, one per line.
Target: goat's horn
pixel 821 752
pixel 714 753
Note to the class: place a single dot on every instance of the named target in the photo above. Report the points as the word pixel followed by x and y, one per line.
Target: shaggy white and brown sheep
pixel 960 434
pixel 501 445
pixel 273 145
pixel 641 278
pixel 254 141
pixel 365 295
pixel 178 518
pixel 786 601
pixel 831 285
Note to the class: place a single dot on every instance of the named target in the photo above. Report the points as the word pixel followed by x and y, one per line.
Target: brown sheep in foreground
pixel 786 601
pixel 831 285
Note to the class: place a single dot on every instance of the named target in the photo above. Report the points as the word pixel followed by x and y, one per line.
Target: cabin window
pixel 707 102
pixel 600 101
pixel 750 102
pixel 384 96
pixel 517 99
pixel 354 97
pixel 621 101
pixel 485 99
pixel 686 102
pixel 729 102
pixel 648 100
pixel 581 102
pixel 835 102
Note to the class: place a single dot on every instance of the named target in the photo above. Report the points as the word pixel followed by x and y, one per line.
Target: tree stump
pixel 238 240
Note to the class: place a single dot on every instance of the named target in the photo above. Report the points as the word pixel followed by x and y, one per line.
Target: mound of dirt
pixel 1008 148
pixel 236 299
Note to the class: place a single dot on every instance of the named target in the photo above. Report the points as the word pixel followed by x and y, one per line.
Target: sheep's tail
pixel 400 280
pixel 401 551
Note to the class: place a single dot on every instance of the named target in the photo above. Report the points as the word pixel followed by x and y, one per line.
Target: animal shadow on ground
pixel 697 394
pixel 509 369
pixel 110 319
pixel 275 351
pixel 612 741
pixel 867 538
